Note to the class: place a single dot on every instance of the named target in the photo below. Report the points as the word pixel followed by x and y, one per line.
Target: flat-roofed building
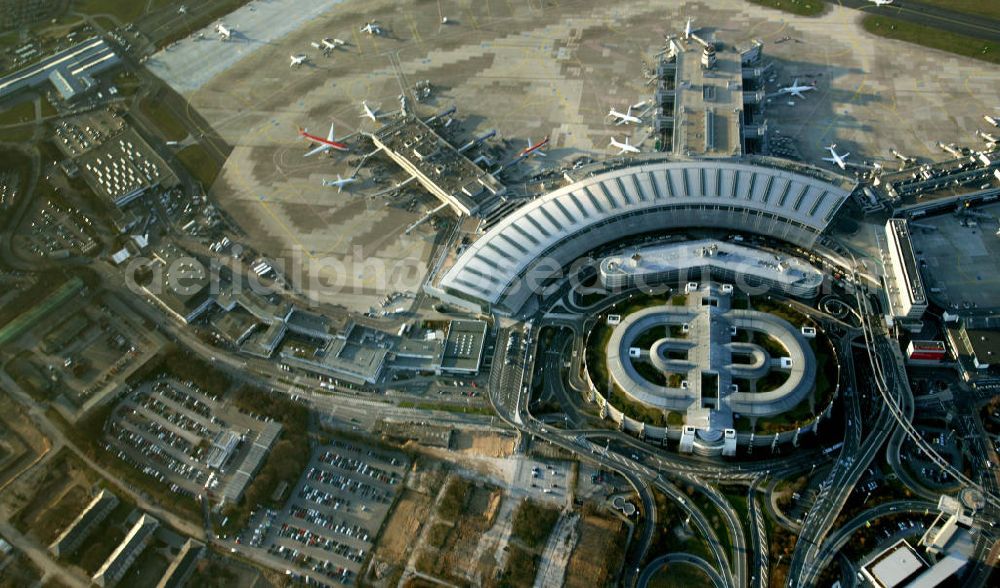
pixel 463 351
pixel 70 71
pixel 975 342
pixel 180 283
pixel 309 324
pixel 235 326
pixel 931 351
pixel 723 262
pixel 127 552
pixel 897 565
pixel 251 463
pixel 83 525
pixel 357 355
pixel 905 286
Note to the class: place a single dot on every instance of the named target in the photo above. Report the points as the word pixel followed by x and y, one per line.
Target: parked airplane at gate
pixel 796 90
pixel 534 148
pixel 839 160
pixel 372 114
pixel 625 147
pixel 624 117
pixel 339 182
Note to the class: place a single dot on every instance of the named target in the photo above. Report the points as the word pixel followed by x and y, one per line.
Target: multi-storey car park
pixel 700 349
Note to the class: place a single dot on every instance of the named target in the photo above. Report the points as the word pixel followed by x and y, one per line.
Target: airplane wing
pixel 315 150
pixel 329 137
pixel 830 159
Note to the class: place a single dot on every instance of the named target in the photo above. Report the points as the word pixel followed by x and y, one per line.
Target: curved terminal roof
pixel 553 230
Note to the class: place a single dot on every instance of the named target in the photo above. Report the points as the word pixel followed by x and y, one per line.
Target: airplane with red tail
pixel 324 144
pixel 534 148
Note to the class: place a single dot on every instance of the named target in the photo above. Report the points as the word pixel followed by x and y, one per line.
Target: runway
pixel 970 25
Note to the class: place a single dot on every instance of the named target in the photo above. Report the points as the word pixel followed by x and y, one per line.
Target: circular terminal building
pixel 699 356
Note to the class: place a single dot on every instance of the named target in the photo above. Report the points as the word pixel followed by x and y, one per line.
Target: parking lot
pixel 328 525
pixel 541 480
pixel 60 230
pixel 9 181
pixel 181 436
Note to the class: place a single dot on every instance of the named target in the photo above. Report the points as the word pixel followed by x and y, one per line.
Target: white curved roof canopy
pixel 555 229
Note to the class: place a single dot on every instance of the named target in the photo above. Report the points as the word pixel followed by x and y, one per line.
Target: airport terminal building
pixel 749 268
pixel 498 270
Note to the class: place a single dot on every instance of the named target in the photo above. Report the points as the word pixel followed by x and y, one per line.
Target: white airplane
pixel 881 2
pixel 625 147
pixel 324 144
pixel 297 60
pixel 331 44
pixel 993 121
pixel 688 30
pixel 225 33
pixel 796 90
pixel 327 45
pixel 992 139
pixel 836 159
pixel 339 182
pixel 624 117
pixel 372 28
pixel 372 114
